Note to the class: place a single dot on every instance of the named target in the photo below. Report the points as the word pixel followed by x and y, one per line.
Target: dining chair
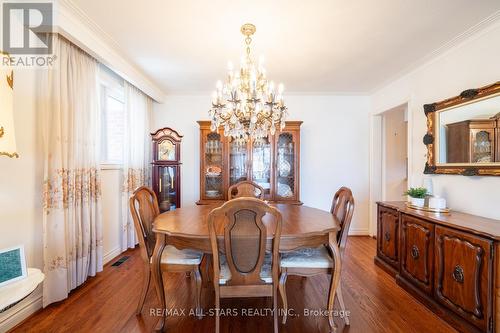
pixel 314 261
pixel 144 208
pixel 241 266
pixel 245 189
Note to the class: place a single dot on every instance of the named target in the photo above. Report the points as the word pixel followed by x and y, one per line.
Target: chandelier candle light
pixel 247 105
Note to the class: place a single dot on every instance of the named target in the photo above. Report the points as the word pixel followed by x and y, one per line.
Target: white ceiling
pixel 316 46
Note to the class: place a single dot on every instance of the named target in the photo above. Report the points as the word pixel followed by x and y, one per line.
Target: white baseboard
pixel 359 232
pixel 111 255
pixel 21 311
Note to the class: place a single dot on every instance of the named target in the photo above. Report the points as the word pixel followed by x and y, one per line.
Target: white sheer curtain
pixel 136 156
pixel 72 223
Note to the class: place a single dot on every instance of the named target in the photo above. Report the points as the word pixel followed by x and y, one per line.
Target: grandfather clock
pixel 166 168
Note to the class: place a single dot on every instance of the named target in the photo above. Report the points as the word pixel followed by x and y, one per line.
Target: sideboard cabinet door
pixel 387 236
pixel 464 274
pixel 417 252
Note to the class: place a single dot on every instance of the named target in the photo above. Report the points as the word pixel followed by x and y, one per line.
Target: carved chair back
pixel 144 209
pixel 245 189
pixel 244 242
pixel 343 209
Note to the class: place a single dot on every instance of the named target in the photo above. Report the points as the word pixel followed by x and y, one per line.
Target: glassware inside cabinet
pixel 238 161
pixel 261 164
pixel 213 166
pixel 482 152
pixel 285 166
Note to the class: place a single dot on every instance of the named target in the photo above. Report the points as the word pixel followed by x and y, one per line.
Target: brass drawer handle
pixel 387 236
pixel 458 274
pixel 414 252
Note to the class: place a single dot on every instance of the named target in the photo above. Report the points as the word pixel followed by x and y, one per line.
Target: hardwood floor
pixel 107 303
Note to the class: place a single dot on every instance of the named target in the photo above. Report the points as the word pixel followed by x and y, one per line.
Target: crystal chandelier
pixel 247 105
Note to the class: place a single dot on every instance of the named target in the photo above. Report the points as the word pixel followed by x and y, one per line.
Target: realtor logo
pixel 27 28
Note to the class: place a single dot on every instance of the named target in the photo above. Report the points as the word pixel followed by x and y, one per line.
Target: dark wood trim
pixel 472 224
pixel 430 113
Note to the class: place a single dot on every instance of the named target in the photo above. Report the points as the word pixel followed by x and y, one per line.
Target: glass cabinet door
pixel 238 161
pixel 167 187
pixel 482 146
pixel 285 166
pixel 261 164
pixel 214 181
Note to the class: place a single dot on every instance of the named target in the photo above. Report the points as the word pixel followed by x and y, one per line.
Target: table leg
pixel 337 266
pixel 158 278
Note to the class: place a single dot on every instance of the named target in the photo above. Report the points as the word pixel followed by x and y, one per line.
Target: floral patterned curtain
pixel 137 156
pixel 72 230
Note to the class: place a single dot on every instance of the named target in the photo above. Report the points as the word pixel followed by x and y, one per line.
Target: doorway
pixel 389 158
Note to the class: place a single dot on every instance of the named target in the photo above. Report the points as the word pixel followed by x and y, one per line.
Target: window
pixel 112 117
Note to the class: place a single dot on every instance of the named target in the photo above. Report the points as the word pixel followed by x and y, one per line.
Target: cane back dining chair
pixel 245 189
pixel 144 208
pixel 314 261
pixel 241 265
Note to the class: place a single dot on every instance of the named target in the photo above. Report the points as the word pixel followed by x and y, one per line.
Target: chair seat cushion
pixel 173 256
pixel 265 273
pixel 307 258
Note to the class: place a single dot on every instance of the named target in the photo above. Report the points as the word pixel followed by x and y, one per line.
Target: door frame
pixel 377 159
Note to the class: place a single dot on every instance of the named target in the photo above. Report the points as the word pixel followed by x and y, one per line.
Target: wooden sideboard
pixel 451 262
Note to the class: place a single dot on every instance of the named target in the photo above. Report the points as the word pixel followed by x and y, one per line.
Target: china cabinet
pixel 166 168
pixel 271 162
pixel 450 262
pixel 472 141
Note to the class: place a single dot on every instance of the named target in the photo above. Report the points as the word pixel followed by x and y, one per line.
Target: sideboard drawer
pixel 417 252
pixel 388 236
pixel 464 275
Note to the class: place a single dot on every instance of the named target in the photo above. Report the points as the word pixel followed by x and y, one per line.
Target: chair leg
pixel 331 303
pixel 342 305
pixel 283 295
pixel 197 279
pixel 275 307
pixel 144 291
pixel 217 310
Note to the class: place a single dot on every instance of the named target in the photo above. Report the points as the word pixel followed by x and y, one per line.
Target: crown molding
pixel 75 25
pixel 201 93
pixel 476 31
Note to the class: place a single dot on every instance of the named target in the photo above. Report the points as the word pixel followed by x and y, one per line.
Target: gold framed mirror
pixel 463 133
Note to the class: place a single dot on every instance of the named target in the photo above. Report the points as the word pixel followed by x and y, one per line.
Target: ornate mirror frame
pixel 464 169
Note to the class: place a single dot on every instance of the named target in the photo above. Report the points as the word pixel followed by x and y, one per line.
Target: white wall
pixel 334 146
pixel 473 63
pixel 21 189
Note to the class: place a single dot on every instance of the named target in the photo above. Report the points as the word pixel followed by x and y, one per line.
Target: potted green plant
pixel 416 196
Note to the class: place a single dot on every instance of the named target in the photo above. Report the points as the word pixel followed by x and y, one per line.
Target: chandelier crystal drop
pixel 248 105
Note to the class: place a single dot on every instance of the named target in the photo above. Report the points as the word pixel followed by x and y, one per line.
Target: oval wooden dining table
pixel 187 228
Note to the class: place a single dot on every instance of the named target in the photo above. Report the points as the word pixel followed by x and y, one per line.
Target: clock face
pixel 166 151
